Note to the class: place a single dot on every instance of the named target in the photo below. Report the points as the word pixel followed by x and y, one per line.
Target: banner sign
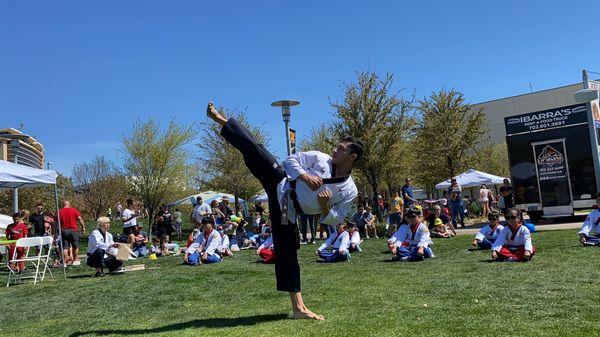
pixel 551 167
pixel 546 119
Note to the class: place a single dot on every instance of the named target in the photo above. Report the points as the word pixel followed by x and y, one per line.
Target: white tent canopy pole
pixel 20 176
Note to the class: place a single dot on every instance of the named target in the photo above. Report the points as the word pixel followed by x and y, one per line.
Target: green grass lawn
pixel 458 293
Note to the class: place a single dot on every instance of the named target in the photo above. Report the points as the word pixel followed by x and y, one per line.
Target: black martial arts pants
pixel 265 168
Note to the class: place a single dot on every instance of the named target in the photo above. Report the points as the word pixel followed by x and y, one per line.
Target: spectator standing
pixel 201 210
pixel 307 221
pixel 258 208
pixel 457 205
pixel 360 218
pixel 407 193
pixel 178 222
pixel 129 218
pixel 396 211
pixel 506 193
pixel 218 215
pixel 119 210
pixel 37 220
pixel 484 199
pixel 69 218
pixel 226 207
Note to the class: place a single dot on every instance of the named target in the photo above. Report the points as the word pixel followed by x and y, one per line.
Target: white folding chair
pixel 46 241
pixel 35 259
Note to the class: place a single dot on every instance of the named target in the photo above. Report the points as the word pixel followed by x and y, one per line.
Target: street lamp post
pixel 14 145
pixel 286 114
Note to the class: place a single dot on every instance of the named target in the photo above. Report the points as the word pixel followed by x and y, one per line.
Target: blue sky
pixel 79 74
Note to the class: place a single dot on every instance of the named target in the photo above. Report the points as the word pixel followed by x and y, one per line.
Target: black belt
pixel 326 181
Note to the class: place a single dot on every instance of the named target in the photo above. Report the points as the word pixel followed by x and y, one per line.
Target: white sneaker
pixel 76 263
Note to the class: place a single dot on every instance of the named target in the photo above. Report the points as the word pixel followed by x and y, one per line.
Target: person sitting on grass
pixel 589 234
pixel 223 249
pixel 102 249
pixel 339 243
pixel 355 240
pixel 204 248
pixel 439 214
pixel 514 241
pixel 370 224
pixel 140 240
pixel 411 242
pixel 439 230
pixel 266 251
pixel 485 238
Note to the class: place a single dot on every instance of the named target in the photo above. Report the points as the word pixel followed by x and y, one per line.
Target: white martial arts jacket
pixel 337 241
pixel 506 237
pixel 591 223
pixel 405 237
pixel 355 238
pixel 487 233
pixel 96 240
pixel 318 164
pixel 208 245
pixel 224 242
pixel 267 244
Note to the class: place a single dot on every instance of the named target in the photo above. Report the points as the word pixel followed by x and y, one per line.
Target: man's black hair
pixel 357 147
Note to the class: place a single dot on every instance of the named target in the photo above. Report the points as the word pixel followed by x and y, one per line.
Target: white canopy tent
pixel 259 198
pixel 19 176
pixel 472 178
pixel 206 196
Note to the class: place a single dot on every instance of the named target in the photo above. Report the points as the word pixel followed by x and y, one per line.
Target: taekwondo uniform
pixel 290 195
pixel 205 243
pixel 355 242
pixel 486 236
pixel 100 251
pixel 266 252
pixel 339 243
pixel 224 245
pixel 511 245
pixel 591 228
pixel 408 240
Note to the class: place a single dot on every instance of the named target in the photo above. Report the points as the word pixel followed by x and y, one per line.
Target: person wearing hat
pixel 589 234
pixel 487 235
pixel 102 249
pixel 439 230
pixel 339 243
pixel 140 240
pixel 355 240
pixel 437 214
pixel 514 241
pixel 411 242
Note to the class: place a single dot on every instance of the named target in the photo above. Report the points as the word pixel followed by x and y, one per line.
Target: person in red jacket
pixel 15 231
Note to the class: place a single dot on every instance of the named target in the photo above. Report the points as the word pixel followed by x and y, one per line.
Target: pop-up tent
pixel 259 198
pixel 472 178
pixel 19 176
pixel 206 196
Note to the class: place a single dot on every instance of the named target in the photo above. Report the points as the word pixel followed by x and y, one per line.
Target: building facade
pixel 29 151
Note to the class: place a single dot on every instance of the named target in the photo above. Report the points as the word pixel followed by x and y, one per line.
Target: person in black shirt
pixel 437 213
pixel 37 220
pixel 506 192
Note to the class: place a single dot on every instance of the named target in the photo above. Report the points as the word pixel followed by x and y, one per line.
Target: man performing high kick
pixel 308 183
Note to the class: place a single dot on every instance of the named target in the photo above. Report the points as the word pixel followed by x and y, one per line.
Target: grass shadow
pixel 198 323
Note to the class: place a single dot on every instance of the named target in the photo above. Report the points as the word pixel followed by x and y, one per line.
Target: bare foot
pixel 213 114
pixel 307 314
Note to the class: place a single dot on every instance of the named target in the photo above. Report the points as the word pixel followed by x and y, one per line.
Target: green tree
pixel 29 197
pixel 449 135
pixel 221 166
pixel 155 162
pixel 492 159
pixel 320 138
pixel 370 111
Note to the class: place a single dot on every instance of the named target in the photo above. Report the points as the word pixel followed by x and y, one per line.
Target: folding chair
pixel 46 241
pixel 36 259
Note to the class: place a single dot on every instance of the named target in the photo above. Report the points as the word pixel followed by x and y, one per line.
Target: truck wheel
pixel 534 216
